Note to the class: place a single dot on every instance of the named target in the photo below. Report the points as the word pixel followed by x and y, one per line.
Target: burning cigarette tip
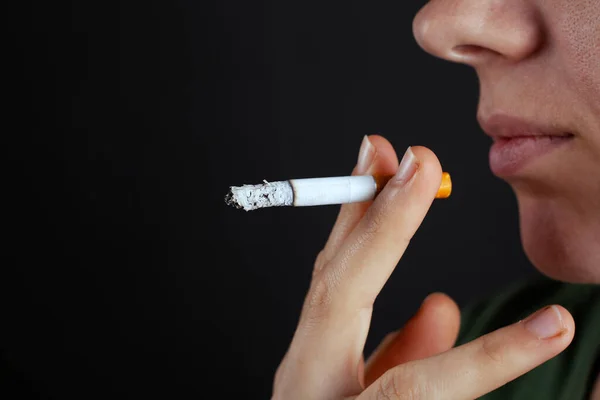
pixel 231 201
pixel 252 197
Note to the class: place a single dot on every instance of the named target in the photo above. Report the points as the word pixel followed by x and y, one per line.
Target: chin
pixel 558 244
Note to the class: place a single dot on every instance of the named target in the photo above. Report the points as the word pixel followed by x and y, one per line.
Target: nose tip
pixel 428 33
pixel 470 31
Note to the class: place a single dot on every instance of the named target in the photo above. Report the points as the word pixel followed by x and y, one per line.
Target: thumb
pixel 432 330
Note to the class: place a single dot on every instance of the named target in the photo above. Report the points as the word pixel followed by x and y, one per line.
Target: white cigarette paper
pixel 303 192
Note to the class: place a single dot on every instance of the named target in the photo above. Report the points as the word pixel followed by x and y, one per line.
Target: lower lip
pixel 509 155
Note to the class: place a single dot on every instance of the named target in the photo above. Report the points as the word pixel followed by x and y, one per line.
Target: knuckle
pixel 277 378
pixel 320 257
pixel 320 295
pixel 374 220
pixel 380 218
pixel 399 384
pixel 383 392
pixel 280 371
pixel 320 262
pixel 492 349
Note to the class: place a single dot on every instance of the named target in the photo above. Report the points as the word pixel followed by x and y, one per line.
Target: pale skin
pixel 516 47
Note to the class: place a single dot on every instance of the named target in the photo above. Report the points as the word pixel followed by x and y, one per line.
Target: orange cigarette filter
pixel 445 187
pixel 443 192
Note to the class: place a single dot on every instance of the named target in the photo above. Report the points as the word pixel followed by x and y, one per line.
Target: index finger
pixel 376 157
pixel 365 260
pixel 337 310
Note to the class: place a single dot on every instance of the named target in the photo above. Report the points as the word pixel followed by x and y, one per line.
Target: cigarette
pixel 316 191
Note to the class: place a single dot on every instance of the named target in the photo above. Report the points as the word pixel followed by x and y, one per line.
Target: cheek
pixel 574 29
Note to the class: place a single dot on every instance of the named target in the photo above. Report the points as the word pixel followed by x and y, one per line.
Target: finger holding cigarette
pixel 335 318
pixel 377 157
pixel 317 191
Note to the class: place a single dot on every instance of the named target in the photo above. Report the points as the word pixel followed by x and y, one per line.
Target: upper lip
pixel 502 126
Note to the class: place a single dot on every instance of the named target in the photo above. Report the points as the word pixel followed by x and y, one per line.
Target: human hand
pixel 325 357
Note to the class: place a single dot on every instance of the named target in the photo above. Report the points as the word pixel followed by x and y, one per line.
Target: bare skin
pixel 325 358
pixel 537 62
pixel 596 391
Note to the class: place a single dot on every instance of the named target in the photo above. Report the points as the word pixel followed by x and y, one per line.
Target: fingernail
pixel 546 323
pixel 366 155
pixel 407 167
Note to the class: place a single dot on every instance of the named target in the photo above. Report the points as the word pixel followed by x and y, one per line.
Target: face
pixel 538 63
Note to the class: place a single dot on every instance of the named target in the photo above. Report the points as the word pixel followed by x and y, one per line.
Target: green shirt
pixel 568 376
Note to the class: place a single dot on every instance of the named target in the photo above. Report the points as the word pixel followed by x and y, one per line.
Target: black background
pixel 126 275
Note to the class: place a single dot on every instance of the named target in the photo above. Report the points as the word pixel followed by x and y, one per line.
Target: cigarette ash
pixel 252 197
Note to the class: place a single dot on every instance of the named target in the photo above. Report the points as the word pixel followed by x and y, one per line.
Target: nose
pixel 472 31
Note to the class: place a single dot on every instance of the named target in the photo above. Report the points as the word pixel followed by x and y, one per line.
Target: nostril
pixel 470 51
pixel 467 49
